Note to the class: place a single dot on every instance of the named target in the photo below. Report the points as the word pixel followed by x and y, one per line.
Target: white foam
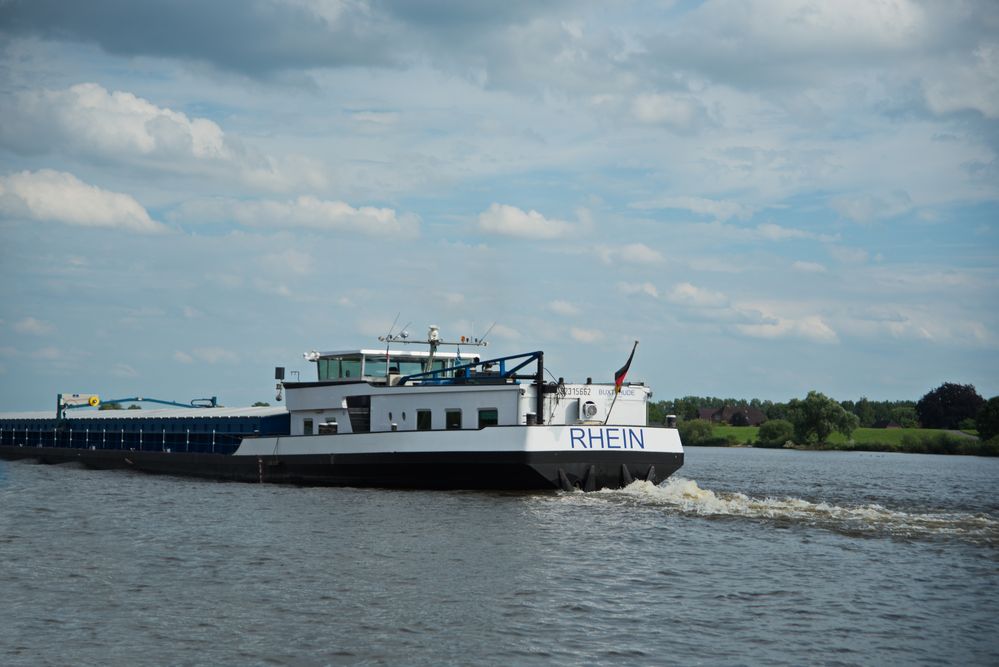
pixel 685 496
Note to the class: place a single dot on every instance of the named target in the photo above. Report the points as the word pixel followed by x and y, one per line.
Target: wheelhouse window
pixel 350 368
pixel 452 419
pixel 339 368
pixel 423 420
pixel 374 367
pixel 329 369
pixel 488 417
pixel 307 427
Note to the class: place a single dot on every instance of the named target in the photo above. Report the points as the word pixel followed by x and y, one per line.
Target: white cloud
pixel 560 307
pixel 90 120
pixel 586 335
pixel 376 117
pixel 680 112
pixel 812 328
pixel 305 212
pixel 503 331
pixel 33 327
pixel 791 32
pixel 183 357
pixel 718 209
pixel 957 84
pixel 686 294
pixel 118 121
pixel 638 288
pixel 56 196
pixel 868 208
pixel 848 255
pixel 124 371
pixel 512 221
pixel 808 267
pixel 289 261
pixel 917 323
pixel 773 232
pixel 47 353
pixel 215 355
pixel 767 231
pixel 632 253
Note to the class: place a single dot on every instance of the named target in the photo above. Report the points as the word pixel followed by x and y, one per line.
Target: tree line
pixel 949 406
pixel 811 420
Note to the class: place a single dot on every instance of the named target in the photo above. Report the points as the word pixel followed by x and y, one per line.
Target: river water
pixel 746 557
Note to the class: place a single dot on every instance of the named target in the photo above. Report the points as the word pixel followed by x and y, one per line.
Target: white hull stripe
pixel 494 439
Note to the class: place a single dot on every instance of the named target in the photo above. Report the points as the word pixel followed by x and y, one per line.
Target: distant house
pixel 732 415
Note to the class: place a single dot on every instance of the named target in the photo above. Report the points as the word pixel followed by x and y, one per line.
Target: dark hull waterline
pixel 424 470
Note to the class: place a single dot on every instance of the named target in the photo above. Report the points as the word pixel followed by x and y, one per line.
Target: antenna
pixel 389 334
pixel 395 338
pixel 482 338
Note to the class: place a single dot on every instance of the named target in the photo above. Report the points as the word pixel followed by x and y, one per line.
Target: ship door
pixel 359 410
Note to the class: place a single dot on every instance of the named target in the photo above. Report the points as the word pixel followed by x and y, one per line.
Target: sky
pixel 771 196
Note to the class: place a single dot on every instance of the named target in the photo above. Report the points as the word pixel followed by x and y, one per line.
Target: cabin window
pixel 307 426
pixel 409 367
pixel 423 420
pixel 452 419
pixel 488 417
pixel 374 366
pixel 329 369
pixel 350 368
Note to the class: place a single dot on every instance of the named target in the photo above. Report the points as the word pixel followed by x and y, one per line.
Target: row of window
pixel 424 419
pixel 453 418
pixel 339 368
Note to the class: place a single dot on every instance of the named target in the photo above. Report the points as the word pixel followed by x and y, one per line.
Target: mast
pixel 434 341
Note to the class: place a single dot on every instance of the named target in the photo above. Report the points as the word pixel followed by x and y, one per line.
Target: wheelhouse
pixel 378 366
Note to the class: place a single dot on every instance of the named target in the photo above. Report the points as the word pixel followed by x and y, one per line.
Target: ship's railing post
pixel 104 435
pixel 213 441
pixel 187 443
pixel 86 438
pixel 163 442
pixel 140 438
pixel 55 436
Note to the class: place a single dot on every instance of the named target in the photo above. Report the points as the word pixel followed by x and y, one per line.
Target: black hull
pixel 431 470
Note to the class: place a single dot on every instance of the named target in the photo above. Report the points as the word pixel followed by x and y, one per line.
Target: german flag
pixel 619 376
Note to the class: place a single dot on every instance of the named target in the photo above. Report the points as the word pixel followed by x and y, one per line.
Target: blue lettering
pixel 600 438
pixel 574 435
pixel 612 435
pixel 636 437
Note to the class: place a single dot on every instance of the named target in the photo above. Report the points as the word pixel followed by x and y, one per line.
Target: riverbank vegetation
pixel 939 423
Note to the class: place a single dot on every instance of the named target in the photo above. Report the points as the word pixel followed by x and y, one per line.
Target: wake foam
pixel 686 497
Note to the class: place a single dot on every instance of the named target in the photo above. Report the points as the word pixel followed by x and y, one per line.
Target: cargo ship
pixel 382 417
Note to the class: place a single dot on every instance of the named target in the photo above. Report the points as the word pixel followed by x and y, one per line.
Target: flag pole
pixel 618 380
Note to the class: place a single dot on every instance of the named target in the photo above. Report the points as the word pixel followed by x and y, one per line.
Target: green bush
pixel 775 433
pixel 938 443
pixel 988 419
pixel 980 447
pixel 696 431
